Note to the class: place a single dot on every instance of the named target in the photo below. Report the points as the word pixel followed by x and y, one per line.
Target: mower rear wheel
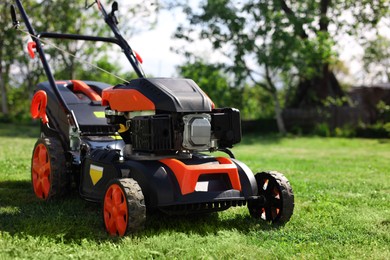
pixel 48 169
pixel 124 208
pixel 276 204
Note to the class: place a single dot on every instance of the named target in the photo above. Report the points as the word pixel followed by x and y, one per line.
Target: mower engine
pixel 167 116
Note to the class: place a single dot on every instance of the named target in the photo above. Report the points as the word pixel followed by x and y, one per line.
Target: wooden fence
pixel 335 117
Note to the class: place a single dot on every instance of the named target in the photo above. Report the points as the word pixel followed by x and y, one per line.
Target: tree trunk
pixel 278 114
pixel 312 92
pixel 274 92
pixel 4 99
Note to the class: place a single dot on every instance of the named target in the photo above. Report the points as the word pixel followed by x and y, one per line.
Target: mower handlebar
pixel 112 22
pixel 39 49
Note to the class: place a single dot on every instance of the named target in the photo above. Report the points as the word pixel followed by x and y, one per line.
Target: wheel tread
pixel 286 195
pixel 59 177
pixel 135 203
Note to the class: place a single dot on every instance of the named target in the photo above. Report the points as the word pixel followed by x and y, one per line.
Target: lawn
pixel 342 208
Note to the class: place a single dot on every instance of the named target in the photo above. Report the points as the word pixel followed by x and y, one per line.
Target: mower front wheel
pixel 124 208
pixel 48 169
pixel 276 198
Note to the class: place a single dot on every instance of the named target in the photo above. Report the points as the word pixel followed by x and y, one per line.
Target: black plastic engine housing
pixel 164 132
pixel 152 133
pixel 226 126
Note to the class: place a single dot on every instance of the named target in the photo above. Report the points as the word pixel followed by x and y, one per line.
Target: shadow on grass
pixel 72 219
pixel 20 131
pixel 205 224
pixel 68 220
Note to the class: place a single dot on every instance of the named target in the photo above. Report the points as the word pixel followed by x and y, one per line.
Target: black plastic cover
pixel 226 126
pixel 152 133
pixel 103 159
pixel 89 114
pixel 171 94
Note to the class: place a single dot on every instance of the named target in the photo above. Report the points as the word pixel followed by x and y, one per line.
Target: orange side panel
pixel 82 87
pixel 61 82
pixel 188 175
pixel 126 100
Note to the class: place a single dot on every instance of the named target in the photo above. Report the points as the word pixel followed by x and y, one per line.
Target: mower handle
pixel 112 22
pixel 15 22
pixel 39 49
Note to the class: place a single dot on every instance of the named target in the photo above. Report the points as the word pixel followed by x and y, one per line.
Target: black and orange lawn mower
pixel 144 144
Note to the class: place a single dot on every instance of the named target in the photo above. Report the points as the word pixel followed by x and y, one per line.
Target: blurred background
pixel 302 67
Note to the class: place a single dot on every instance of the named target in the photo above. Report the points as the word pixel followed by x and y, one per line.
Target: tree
pixel 19 74
pixel 105 63
pixel 8 51
pixel 12 45
pixel 70 57
pixel 377 58
pixel 281 43
pixel 73 59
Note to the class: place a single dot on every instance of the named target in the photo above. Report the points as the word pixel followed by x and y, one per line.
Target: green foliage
pixel 9 49
pixel 18 86
pixel 383 111
pixel 282 44
pixel 107 64
pixel 337 102
pixel 281 36
pixel 386 126
pixel 19 100
pixel 322 129
pixel 19 75
pixel 377 58
pixel 81 21
pixel 377 130
pixel 257 103
pixel 345 131
pixel 341 209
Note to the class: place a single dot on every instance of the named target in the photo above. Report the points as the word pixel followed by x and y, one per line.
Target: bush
pixel 5 119
pixel 379 130
pixel 322 129
pixel 345 131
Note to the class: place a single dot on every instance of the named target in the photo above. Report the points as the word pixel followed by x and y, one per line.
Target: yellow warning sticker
pixel 116 137
pixel 96 173
pixel 99 114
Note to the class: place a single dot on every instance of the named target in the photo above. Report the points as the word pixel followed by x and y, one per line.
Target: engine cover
pixel 160 94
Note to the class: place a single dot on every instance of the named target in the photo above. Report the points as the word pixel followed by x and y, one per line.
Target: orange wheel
pixel 276 198
pixel 123 207
pixel 116 211
pixel 41 172
pixel 48 169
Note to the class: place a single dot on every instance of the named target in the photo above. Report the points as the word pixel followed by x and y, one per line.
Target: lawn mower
pixel 143 145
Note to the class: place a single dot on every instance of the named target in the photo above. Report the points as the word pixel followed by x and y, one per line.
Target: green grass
pixel 342 208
